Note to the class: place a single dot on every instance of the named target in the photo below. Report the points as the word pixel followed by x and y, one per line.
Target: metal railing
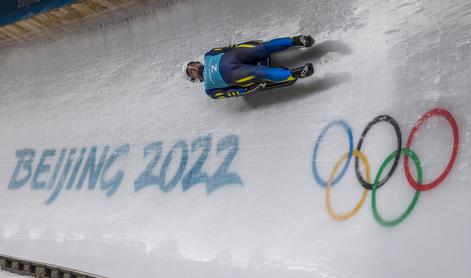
pixel 38 269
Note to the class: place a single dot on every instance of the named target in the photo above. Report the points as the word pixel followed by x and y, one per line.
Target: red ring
pixel 435 112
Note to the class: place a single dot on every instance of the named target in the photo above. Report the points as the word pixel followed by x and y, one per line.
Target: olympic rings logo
pixel 394 157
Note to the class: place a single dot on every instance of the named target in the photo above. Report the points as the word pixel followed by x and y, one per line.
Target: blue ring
pixel 347 128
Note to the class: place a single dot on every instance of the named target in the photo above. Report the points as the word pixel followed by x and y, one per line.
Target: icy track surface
pixel 112 163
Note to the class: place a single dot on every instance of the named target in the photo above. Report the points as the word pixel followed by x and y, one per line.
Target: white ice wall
pixel 118 86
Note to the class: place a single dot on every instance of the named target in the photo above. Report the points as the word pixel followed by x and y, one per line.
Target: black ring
pixel 382 118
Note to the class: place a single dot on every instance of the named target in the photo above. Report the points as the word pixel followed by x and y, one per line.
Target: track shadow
pixel 298 55
pixel 297 91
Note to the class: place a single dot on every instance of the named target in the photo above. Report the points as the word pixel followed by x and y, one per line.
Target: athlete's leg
pixel 251 54
pixel 248 75
pixel 276 45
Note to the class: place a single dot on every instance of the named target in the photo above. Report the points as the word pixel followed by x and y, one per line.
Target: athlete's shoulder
pixel 216 51
pixel 219 50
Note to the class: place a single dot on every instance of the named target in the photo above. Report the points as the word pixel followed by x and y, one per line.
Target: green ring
pixel 394 222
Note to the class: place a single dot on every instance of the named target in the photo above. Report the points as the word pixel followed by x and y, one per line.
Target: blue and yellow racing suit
pixel 232 70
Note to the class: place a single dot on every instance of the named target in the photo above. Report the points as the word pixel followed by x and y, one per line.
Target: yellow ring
pixel 345 216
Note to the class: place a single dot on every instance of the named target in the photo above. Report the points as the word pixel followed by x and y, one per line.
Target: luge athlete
pixel 235 70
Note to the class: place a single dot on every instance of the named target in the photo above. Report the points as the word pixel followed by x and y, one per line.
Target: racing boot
pixel 306 41
pixel 303 71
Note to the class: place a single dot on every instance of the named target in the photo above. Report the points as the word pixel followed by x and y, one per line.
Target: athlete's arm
pixel 226 92
pixel 234 91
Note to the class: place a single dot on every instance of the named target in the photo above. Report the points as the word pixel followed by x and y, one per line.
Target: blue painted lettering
pixel 91 169
pixel 25 159
pixel 112 184
pixel 42 168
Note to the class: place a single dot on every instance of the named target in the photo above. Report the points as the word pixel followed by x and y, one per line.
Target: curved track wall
pixel 112 163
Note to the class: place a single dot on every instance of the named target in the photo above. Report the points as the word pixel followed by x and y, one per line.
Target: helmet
pixel 191 68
